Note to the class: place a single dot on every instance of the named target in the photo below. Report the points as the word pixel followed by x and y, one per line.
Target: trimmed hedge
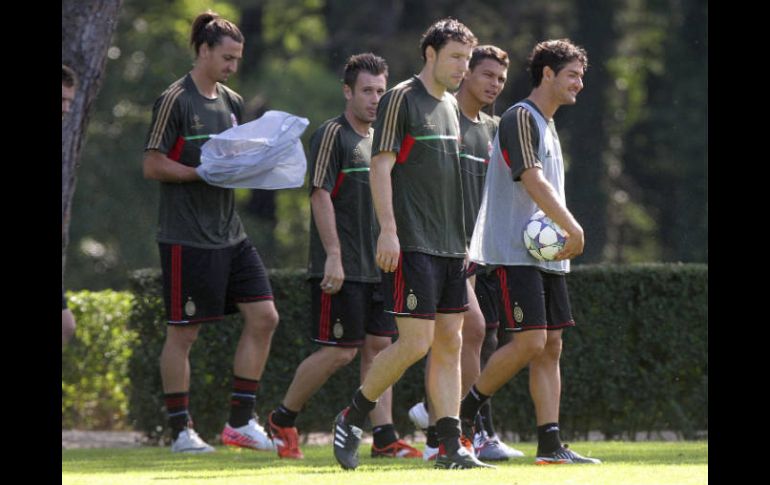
pixel 94 377
pixel 637 361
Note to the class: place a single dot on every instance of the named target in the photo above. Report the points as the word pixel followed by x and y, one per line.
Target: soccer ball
pixel 543 238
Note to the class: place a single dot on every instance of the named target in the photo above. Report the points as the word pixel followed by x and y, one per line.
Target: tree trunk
pixel 87 27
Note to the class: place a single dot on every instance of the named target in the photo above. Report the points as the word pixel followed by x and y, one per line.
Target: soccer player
pixel 210 268
pixel 417 193
pixel 347 311
pixel 526 173
pixel 482 85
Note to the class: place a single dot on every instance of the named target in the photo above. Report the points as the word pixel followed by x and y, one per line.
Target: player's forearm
pixel 545 196
pixel 158 166
pixel 325 221
pixel 382 190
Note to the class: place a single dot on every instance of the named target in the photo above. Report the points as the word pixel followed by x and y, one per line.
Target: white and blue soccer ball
pixel 543 238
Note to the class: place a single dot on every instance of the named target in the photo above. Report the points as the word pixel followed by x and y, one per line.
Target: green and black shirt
pixel 424 132
pixel 339 164
pixel 194 214
pixel 475 149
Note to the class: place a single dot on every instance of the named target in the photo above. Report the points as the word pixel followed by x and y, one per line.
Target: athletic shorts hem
pixel 383 334
pixel 346 344
pixel 423 316
pixel 452 310
pixel 571 323
pixel 181 323
pixel 249 299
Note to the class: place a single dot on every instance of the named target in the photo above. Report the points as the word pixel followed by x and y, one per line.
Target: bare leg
pixel 313 373
pixel 259 322
pixel 373 345
pixel 545 380
pixel 174 358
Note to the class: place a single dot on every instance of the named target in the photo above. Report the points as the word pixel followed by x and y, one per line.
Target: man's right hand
pixel 573 246
pixel 388 251
pixel 334 275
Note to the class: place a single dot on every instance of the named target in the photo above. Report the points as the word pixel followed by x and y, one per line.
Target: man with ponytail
pixel 210 268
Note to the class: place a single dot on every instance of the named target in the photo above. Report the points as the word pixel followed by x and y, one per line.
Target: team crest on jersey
pixel 518 313
pixel 411 301
pixel 196 125
pixel 189 307
pixel 358 157
pixel 338 330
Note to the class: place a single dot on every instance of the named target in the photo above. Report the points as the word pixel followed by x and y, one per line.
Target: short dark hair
pixel 555 54
pixel 442 32
pixel 367 62
pixel 488 52
pixel 68 76
pixel 209 27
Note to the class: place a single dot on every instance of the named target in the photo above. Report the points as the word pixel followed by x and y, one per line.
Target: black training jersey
pixel 475 149
pixel 424 132
pixel 194 214
pixel 339 164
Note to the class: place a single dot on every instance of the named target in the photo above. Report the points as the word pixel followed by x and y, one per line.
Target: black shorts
pixel 533 299
pixel 201 285
pixel 487 291
pixel 344 318
pixel 424 285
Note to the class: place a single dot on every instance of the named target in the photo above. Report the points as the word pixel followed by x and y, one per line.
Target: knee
pixel 552 350
pixel 414 349
pixel 264 320
pixel 474 330
pixel 343 356
pixel 182 338
pixel 376 344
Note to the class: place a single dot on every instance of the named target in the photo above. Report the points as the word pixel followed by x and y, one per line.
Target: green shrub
pixel 637 361
pixel 95 362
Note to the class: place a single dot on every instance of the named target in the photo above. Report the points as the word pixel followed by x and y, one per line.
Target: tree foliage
pixel 635 143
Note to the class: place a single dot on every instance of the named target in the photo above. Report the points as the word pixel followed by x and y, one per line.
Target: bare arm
pixel 326 222
pixel 545 196
pixel 388 246
pixel 158 166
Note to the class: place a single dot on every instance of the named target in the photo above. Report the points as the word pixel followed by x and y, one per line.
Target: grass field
pixel 658 463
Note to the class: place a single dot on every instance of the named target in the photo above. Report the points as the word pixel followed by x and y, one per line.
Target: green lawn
pixel 658 463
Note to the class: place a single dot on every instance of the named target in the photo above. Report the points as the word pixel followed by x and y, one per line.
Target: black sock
pixel 360 407
pixel 432 436
pixel 284 417
pixel 471 403
pixel 384 435
pixel 486 418
pixel 242 401
pixel 448 430
pixel 177 411
pixel 548 439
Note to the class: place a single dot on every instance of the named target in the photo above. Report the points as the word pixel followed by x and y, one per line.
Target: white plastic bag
pixel 262 154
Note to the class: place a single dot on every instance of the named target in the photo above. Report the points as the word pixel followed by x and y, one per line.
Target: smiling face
pixel 566 85
pixel 486 81
pixel 365 95
pixel 450 64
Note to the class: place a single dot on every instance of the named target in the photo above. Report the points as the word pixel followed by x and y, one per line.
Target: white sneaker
pixel 188 441
pixel 508 450
pixel 419 415
pixel 429 453
pixel 250 435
